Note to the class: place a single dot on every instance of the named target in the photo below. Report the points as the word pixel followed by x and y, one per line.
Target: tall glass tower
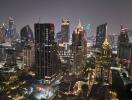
pixel 45 51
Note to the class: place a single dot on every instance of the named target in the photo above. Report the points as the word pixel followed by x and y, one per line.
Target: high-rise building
pixel 65 30
pixel 45 51
pixel 106 60
pixel 100 35
pixel 79 47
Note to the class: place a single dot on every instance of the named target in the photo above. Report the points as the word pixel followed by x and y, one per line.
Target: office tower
pixel 79 47
pixel 45 51
pixel 100 35
pixel 65 30
pixel 2 34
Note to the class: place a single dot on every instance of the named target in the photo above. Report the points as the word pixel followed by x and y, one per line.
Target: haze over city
pixel 94 12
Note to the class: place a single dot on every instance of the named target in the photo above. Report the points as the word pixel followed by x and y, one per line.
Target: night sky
pixel 94 12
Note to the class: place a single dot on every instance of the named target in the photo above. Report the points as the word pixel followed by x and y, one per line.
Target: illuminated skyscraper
pixel 45 50
pixel 79 44
pixel 65 30
pixel 106 60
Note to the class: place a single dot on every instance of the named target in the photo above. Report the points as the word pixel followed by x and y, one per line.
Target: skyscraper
pixel 65 30
pixel 100 35
pixel 106 60
pixel 45 51
pixel 79 47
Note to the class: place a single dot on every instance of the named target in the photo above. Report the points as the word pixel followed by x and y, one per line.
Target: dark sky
pixel 94 12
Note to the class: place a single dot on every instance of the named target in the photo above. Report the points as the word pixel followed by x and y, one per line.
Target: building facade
pixel 45 51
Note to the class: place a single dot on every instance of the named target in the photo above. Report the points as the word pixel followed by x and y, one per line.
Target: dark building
pixel 26 34
pixel 45 51
pixel 100 35
pixel 65 31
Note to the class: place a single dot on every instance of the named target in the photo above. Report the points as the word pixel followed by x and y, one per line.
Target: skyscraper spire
pixel 79 26
pixel 106 43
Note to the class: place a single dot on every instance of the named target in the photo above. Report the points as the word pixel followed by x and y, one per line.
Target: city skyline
pixel 92 12
pixel 65 50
